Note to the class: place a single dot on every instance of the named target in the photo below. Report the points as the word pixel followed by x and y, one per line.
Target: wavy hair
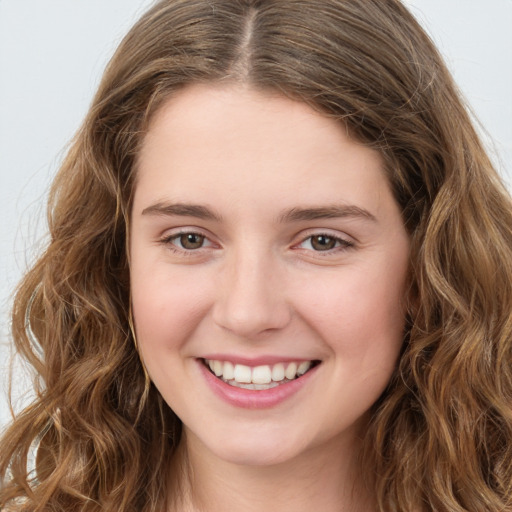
pixel 441 435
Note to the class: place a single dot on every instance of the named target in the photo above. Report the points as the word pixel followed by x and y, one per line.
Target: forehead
pixel 236 143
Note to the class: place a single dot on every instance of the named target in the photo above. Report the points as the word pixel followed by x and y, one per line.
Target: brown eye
pixel 191 241
pixel 323 242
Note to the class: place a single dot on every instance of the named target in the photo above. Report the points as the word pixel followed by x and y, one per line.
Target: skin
pixel 258 285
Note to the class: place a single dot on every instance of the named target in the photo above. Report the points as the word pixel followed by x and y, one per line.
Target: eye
pixel 190 241
pixel 324 242
pixel 187 241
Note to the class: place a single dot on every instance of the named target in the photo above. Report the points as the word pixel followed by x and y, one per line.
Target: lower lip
pixel 251 398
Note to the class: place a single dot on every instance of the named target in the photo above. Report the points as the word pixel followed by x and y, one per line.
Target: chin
pixel 262 448
pixel 256 455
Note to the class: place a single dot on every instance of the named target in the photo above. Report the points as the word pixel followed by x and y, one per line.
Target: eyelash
pixel 340 244
pixel 168 241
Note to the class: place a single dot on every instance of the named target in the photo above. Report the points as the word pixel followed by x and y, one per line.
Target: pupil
pixel 323 243
pixel 191 241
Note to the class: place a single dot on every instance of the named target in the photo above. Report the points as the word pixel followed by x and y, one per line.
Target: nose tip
pixel 251 301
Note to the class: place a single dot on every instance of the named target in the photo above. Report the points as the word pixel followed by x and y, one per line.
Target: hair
pixel 98 435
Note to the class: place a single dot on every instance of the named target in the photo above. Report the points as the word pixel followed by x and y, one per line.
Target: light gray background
pixel 52 53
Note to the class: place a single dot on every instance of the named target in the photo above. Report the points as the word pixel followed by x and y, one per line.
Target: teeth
pixel 228 371
pixel 258 377
pixel 261 375
pixel 242 374
pixel 278 372
pixel 303 368
pixel 217 368
pixel 258 387
pixel 291 371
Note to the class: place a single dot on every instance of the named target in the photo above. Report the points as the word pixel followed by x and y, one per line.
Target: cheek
pixel 357 301
pixel 167 307
pixel 360 317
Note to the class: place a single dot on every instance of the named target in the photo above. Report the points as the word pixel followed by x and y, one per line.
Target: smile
pixel 258 377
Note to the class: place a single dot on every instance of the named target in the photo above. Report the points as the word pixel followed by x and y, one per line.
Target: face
pixel 268 268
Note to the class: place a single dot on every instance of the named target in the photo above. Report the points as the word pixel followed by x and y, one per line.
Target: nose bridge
pixel 251 298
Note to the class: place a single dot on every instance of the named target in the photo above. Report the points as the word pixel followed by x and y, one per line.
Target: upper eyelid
pixel 184 230
pixel 308 233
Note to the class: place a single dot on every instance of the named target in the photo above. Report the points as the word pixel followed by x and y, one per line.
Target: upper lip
pixel 256 361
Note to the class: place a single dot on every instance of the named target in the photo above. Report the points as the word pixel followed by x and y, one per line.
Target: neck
pixel 326 479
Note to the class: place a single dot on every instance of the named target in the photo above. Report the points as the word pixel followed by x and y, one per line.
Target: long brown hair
pixel 441 435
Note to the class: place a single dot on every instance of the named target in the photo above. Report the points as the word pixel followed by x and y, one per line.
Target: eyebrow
pixel 326 212
pixel 182 210
pixel 291 215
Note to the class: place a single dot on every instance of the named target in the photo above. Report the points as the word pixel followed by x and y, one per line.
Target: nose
pixel 251 298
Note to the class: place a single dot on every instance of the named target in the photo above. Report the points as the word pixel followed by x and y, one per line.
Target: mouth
pixel 258 377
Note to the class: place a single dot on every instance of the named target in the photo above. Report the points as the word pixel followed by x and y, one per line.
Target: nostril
pixel 250 304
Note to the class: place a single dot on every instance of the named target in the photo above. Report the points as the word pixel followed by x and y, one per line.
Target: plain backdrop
pixel 52 53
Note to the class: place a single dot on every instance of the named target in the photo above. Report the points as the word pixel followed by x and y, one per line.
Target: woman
pixel 278 277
